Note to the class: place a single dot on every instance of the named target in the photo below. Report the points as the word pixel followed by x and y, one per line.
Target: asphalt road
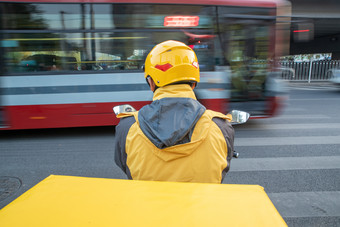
pixel 294 156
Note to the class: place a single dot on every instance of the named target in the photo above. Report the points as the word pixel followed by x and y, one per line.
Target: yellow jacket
pixel 174 139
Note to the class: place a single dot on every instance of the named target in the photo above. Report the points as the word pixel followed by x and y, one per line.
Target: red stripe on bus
pixel 76 115
pixel 63 115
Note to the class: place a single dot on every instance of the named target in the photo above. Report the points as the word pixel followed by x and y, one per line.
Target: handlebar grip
pixel 235 154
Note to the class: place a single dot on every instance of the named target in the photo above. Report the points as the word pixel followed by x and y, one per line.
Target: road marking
pixel 290 126
pixel 302 116
pixel 284 141
pixel 285 163
pixel 314 88
pixel 317 99
pixel 307 204
pixel 293 109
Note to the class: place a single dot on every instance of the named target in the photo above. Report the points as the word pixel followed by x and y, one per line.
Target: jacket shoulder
pixel 212 114
pixel 128 114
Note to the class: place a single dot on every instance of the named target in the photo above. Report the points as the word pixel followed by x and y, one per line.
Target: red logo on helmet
pixel 164 67
pixel 195 64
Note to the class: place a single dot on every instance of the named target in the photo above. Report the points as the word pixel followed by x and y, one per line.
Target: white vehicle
pixel 334 76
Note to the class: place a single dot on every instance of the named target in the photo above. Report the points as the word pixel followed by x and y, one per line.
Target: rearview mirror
pixel 238 117
pixel 123 109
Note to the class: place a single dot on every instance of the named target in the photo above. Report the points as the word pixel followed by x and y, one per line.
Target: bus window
pixel 99 37
pixel 32 16
pixel 95 51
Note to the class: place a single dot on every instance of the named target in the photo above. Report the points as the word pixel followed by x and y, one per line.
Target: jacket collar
pixel 174 91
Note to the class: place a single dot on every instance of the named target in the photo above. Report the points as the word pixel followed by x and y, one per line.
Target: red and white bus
pixel 66 63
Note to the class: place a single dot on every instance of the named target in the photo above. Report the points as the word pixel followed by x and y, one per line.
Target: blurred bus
pixel 66 63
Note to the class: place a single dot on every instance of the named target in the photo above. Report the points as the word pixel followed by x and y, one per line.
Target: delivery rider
pixel 174 138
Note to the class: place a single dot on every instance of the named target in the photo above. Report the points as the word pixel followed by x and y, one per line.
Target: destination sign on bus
pixel 181 21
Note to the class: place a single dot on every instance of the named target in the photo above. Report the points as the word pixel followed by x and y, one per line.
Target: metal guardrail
pixel 308 71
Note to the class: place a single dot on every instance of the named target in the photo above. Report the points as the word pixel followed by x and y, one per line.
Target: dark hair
pixel 188 82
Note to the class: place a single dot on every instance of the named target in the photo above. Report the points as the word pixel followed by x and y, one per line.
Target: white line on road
pixel 293 109
pixel 307 204
pixel 291 126
pixel 316 99
pixel 279 141
pixel 285 163
pixel 302 116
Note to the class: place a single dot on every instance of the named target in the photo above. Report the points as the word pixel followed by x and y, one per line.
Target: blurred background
pixel 64 65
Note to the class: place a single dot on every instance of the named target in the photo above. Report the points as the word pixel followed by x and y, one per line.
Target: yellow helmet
pixel 170 62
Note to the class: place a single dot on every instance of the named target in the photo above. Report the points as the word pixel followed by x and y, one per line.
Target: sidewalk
pixel 311 85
